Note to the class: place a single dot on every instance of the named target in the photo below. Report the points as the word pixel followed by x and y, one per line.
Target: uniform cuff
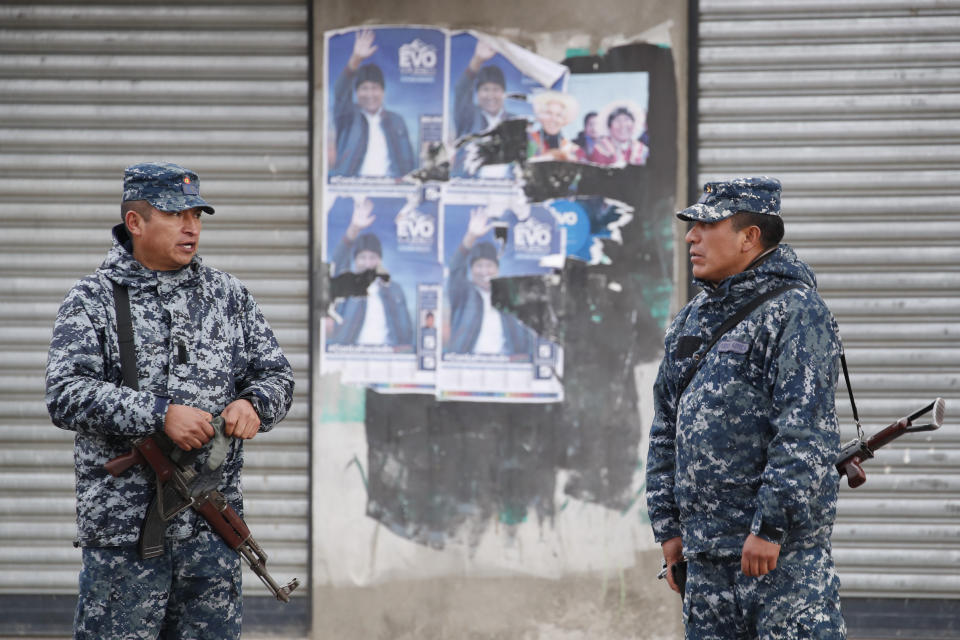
pixel 663 531
pixel 259 402
pixel 766 530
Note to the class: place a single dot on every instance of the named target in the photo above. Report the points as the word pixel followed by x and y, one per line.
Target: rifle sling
pixel 128 354
pixel 853 404
pixel 701 355
pixel 742 313
pixel 154 526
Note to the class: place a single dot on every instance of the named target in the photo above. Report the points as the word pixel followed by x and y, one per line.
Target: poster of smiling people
pixel 611 129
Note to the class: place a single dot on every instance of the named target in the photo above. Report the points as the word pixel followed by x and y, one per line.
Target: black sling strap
pixel 128 354
pixel 853 404
pixel 742 313
pixel 730 323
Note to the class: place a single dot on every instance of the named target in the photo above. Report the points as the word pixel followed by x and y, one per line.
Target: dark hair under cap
pixel 620 111
pixel 369 73
pixel 367 242
pixel 491 73
pixel 484 250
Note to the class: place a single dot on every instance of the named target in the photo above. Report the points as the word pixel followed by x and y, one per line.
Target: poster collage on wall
pixel 417 187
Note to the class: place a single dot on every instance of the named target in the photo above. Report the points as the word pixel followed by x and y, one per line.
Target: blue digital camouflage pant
pixel 799 600
pixel 190 592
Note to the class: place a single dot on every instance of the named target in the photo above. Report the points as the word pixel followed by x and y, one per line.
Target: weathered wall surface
pixel 574 566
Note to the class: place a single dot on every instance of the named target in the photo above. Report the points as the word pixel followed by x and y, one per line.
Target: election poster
pixel 580 165
pixel 387 338
pixel 612 128
pixel 503 353
pixel 492 81
pixel 488 354
pixel 588 221
pixel 385 101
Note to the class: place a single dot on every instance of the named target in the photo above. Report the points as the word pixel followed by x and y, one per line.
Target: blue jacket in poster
pixel 466 313
pixel 750 445
pixel 352 134
pixel 468 117
pixel 353 309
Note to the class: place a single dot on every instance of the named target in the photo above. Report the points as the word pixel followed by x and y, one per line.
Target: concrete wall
pixel 368 583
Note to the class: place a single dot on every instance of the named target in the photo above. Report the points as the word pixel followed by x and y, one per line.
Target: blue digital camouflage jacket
pixel 230 351
pixel 750 446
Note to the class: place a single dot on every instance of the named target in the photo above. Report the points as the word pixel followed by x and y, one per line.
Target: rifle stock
pixel 857 451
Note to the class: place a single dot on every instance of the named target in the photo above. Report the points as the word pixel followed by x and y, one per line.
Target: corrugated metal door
pixel 86 90
pixel 855 105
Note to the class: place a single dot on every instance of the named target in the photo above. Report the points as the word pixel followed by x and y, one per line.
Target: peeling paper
pixel 544 71
pixel 354 284
pixel 588 221
pixel 505 143
pixel 545 303
pixel 435 165
pixel 658 35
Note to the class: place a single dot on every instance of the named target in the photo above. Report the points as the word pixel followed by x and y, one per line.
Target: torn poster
pixel 493 81
pixel 384 113
pixel 612 129
pixel 388 337
pixel 488 354
pixel 588 221
pixel 446 473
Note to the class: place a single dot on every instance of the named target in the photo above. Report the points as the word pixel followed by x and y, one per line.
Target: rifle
pixel 857 450
pixel 180 487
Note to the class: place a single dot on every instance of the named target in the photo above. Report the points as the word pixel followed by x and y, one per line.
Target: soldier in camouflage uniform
pixel 740 473
pixel 202 348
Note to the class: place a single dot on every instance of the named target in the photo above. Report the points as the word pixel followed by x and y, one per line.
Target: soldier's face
pixel 716 250
pixel 490 97
pixel 167 240
pixel 370 96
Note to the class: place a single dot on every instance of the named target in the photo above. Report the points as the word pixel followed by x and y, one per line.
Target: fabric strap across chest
pixel 700 357
pixel 128 354
pixel 735 319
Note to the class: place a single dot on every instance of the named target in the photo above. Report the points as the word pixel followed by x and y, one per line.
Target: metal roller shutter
pixel 855 106
pixel 85 90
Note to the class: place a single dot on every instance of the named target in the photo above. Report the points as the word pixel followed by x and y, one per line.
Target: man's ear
pixel 134 223
pixel 751 238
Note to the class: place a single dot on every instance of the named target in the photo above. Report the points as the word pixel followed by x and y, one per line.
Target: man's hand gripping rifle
pixel 857 450
pixel 180 486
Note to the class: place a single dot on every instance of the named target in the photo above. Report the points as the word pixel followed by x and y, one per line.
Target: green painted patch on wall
pixel 513 515
pixel 345 404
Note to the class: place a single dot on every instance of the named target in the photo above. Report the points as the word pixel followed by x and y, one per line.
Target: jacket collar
pixel 770 269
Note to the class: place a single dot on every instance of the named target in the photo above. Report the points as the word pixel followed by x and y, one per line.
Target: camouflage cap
pixel 722 199
pixel 166 186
